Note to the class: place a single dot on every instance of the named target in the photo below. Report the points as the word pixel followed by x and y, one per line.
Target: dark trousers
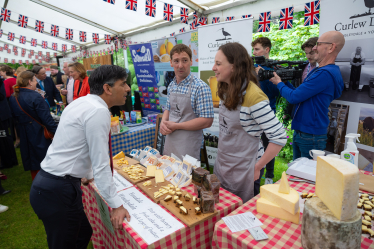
pixel 58 203
pixel 7 152
pixel 256 189
pixel 269 165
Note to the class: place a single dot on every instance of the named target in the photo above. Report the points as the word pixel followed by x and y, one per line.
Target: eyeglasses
pixel 319 43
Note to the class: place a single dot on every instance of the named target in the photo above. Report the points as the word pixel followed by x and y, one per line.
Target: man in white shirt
pixel 80 150
pixel 69 91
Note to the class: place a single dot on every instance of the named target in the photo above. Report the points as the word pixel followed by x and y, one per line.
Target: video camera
pixel 294 70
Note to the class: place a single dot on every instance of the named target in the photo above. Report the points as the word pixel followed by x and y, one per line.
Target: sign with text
pixel 104 213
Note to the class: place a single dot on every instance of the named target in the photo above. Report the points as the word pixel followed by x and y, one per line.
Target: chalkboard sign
pixel 159 140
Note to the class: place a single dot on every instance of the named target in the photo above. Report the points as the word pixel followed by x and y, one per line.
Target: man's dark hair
pixel 106 74
pixel 180 48
pixel 310 43
pixel 264 41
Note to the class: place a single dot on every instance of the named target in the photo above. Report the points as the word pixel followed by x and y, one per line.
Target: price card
pixel 257 233
pixel 241 222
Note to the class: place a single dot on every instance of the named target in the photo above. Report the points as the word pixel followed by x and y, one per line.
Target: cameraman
pixel 313 97
pixel 261 47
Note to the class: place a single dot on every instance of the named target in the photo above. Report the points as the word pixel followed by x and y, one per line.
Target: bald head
pixel 328 47
pixel 334 37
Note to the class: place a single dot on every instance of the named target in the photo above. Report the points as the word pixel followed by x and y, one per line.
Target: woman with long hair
pixel 81 86
pixel 244 114
pixel 24 103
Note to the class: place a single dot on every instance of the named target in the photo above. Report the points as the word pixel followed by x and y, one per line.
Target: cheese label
pixel 168 171
pixel 133 152
pixel 147 149
pixel 186 167
pixel 177 178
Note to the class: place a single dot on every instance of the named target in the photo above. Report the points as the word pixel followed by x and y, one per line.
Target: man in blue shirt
pixel 313 97
pixel 261 47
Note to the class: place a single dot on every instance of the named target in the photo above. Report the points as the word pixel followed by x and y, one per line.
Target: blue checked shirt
pixel 201 96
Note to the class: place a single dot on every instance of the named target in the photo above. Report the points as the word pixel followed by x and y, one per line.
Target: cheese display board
pixel 191 219
pixel 151 188
pixel 141 176
pixel 367 182
pixel 129 160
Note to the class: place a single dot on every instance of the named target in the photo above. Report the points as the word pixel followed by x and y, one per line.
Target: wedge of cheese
pixel 269 208
pixel 337 185
pixel 119 155
pixel 159 175
pixel 284 186
pixel 289 202
pixel 151 170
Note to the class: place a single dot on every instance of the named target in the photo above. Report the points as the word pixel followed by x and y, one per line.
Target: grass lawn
pixel 21 228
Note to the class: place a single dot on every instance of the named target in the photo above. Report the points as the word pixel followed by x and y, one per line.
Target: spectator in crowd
pixel 81 86
pixel 20 70
pixel 9 81
pixel 56 75
pixel 46 84
pixel 313 97
pixel 69 85
pixel 31 111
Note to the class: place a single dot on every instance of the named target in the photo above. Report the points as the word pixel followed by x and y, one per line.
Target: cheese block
pixel 151 170
pixel 289 202
pixel 284 186
pixel 119 155
pixel 266 207
pixel 337 183
pixel 159 176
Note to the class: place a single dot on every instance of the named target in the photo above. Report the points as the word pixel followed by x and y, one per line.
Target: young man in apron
pixel 357 60
pixel 189 107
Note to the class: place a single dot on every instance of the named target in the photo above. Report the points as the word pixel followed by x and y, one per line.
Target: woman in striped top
pixel 244 114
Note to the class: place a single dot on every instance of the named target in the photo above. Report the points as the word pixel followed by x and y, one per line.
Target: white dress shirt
pixel 80 146
pixel 70 89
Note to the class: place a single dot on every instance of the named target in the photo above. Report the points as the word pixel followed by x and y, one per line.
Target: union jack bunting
pixel 15 48
pixel 40 61
pixel 22 39
pixel 32 52
pixel 5 60
pixel 40 53
pixel 246 16
pixel 5 15
pixel 33 42
pixel 27 62
pixel 15 52
pixel 9 51
pixel 23 55
pixel 192 26
pixel 69 34
pixel 110 1
pixel 54 46
pixel 44 44
pixel 33 61
pixel 13 61
pixel 182 30
pixel 20 61
pixel 124 44
pixel 39 26
pixel 48 54
pixel 107 39
pixel 82 36
pixel 216 20
pixel 168 12
pixel 95 38
pixel 11 36
pixel 73 48
pixel 1 32
pixel 184 15
pixel 24 51
pixel 202 21
pixel 150 8
pixel 311 13
pixel 286 18
pixel 22 21
pixel 55 30
pixel 264 22
pixel 230 18
pixel 195 16
pixel 6 46
pixel 172 34
pixel 132 5
pixel 55 55
pixel 1 49
pixel 29 56
pixel 64 47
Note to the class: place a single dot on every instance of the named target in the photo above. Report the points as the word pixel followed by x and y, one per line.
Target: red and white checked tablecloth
pixel 282 234
pixel 199 236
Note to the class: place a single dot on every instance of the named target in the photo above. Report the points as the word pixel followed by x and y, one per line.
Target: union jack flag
pixel 64 47
pixel 230 18
pixel 73 48
pixel 192 26
pixel 48 54
pixel 184 15
pixel 15 52
pixel 195 16
pixel 39 26
pixel 13 61
pixel 1 49
pixel 9 51
pixel 286 18
pixel 20 61
pixel 24 51
pixel 6 46
pixel 69 34
pixel 33 42
pixel 40 53
pixel 1 32
pixel 22 39
pixel 216 20
pixel 44 44
pixel 82 36
pixel 27 62
pixel 55 55
pixel 33 61
pixel 172 34
pixel 107 39
pixel 132 4
pixel 110 1
pixel 246 16
pixel 55 30
pixel 311 13
pixel 202 21
pixel 124 44
pixel 264 22
pixel 54 46
pixel 95 38
pixel 5 60
pixel 182 30
pixel 31 52
pixel 150 8
pixel 11 36
pixel 168 12
pixel 23 54
pixel 5 15
pixel 40 61
pixel 15 48
pixel 22 21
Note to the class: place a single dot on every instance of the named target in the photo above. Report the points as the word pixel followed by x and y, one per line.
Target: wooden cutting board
pixel 367 182
pixel 130 160
pixel 134 181
pixel 191 219
pixel 151 189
